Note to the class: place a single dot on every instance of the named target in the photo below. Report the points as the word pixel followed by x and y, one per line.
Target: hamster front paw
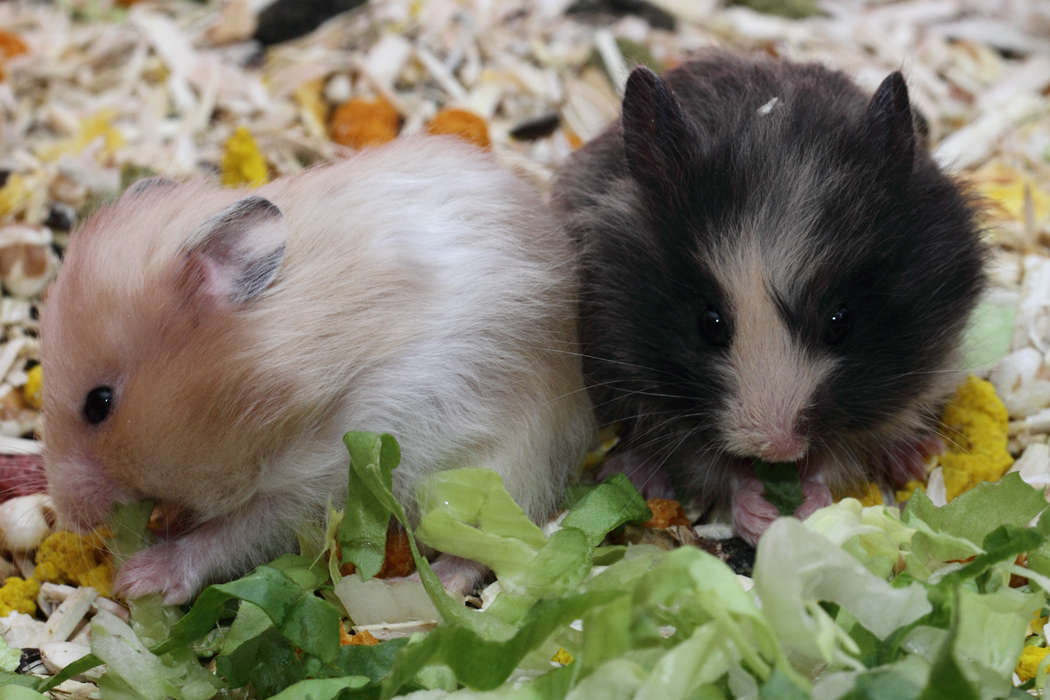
pixel 906 460
pixel 159 569
pixel 752 513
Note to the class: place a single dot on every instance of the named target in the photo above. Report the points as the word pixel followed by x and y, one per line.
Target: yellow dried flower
pixel 81 560
pixel 460 122
pixel 1003 189
pixel 242 163
pixel 18 595
pixel 96 126
pixel 33 390
pixel 905 492
pixel 975 421
pixel 1028 664
pixel 869 495
pixel 313 109
pixel 359 123
pixel 13 195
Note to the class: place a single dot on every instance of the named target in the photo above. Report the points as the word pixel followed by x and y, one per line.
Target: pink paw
pixel 906 460
pixel 646 474
pixel 458 575
pixel 815 496
pixel 752 513
pixel 156 570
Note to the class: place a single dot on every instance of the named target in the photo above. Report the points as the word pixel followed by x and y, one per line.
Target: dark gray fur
pixel 836 183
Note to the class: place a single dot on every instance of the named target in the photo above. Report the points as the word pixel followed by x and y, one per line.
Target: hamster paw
pixel 647 474
pixel 156 570
pixel 905 461
pixel 458 576
pixel 752 513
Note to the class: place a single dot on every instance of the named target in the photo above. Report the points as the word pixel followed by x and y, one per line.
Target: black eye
pixel 99 401
pixel 838 326
pixel 713 328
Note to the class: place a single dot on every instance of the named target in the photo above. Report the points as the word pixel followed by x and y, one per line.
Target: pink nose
pixel 781 447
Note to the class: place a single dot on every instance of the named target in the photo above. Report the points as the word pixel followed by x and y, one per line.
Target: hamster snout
pixel 208 348
pixel 772 268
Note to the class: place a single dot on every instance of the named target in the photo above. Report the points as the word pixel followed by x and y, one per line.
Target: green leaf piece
pixel 608 506
pixel 369 504
pixel 783 486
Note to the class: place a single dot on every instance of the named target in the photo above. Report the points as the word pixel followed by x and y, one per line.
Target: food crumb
pixel 665 513
pixel 363 638
pixel 562 657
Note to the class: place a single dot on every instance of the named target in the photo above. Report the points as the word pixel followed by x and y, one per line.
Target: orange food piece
pixel 665 513
pixel 363 638
pixel 11 45
pixel 397 561
pixel 359 123
pixel 462 123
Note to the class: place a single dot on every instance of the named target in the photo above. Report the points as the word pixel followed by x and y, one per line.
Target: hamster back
pixel 208 348
pixel 772 268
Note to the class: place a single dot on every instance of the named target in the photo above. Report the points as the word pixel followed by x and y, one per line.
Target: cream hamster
pixel 208 348
pixel 773 268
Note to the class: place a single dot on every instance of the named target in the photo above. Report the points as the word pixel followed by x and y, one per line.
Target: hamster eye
pixel 98 403
pixel 713 328
pixel 838 326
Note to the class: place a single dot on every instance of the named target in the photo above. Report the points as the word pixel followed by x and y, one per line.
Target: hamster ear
pixel 236 254
pixel 655 130
pixel 891 128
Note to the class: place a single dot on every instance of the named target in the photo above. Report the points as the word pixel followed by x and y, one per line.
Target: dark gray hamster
pixel 772 267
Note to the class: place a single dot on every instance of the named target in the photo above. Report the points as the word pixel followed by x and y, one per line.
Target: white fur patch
pixel 772 379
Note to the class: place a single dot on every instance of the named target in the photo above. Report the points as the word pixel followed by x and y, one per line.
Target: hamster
pixel 772 268
pixel 208 348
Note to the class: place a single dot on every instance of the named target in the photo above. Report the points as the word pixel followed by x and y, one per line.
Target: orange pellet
pixel 665 513
pixel 359 123
pixel 460 122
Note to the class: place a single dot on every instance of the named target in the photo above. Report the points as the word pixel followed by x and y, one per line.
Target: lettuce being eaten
pixel 854 603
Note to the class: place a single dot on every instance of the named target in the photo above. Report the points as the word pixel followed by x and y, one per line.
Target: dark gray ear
pixel 656 132
pixel 148 184
pixel 890 126
pixel 236 254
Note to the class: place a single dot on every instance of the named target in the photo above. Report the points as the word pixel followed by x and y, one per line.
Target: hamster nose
pixel 786 446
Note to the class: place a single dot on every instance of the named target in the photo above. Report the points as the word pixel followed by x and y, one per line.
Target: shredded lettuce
pixel 854 603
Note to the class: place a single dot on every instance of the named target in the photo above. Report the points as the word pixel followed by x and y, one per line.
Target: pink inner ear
pixel 216 280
